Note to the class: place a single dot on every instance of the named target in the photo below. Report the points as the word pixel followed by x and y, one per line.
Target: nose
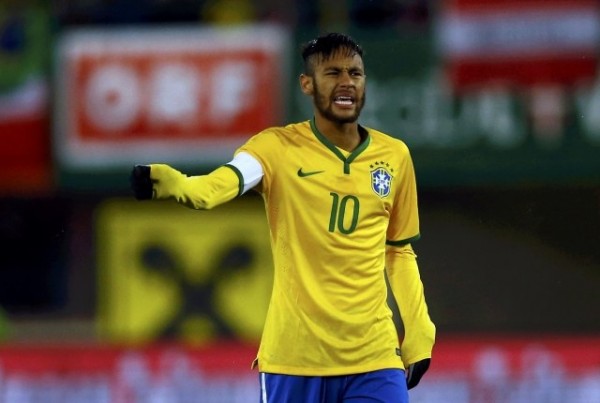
pixel 345 78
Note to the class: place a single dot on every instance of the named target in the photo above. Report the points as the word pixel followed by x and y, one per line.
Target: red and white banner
pixel 107 374
pixel 523 42
pixel 25 137
pixel 173 94
pixel 496 369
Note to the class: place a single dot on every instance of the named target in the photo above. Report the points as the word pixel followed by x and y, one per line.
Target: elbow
pixel 208 200
pixel 196 203
pixel 203 204
pixel 206 192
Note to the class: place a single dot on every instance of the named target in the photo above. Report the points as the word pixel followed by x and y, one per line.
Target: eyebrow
pixel 336 68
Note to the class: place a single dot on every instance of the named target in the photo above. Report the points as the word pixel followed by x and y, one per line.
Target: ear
pixel 306 84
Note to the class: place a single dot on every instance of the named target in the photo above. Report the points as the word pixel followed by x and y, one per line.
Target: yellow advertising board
pixel 171 273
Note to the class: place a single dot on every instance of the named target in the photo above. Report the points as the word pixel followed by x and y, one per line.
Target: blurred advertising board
pixel 25 151
pixel 524 42
pixel 166 272
pixel 109 374
pixel 190 96
pixel 491 369
pixel 26 154
pixel 512 369
pixel 180 95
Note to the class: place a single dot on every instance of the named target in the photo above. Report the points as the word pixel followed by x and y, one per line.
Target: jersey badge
pixel 381 178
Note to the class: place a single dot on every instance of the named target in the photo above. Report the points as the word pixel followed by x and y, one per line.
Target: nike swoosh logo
pixel 303 174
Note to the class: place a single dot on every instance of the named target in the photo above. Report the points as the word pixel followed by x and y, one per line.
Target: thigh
pixel 383 386
pixel 278 388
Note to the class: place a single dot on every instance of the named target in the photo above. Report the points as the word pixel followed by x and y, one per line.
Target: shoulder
pixel 274 142
pixel 281 134
pixel 382 139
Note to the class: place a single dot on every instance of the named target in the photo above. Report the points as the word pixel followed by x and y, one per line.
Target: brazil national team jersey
pixel 331 213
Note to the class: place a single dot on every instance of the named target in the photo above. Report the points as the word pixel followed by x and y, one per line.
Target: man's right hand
pixel 141 183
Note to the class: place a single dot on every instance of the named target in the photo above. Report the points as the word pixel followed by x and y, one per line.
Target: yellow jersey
pixel 331 213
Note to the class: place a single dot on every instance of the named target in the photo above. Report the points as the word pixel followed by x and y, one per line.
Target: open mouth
pixel 343 101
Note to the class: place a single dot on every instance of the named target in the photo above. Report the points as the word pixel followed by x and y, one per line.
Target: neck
pixel 342 135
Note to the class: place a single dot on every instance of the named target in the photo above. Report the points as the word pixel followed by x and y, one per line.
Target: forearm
pixel 198 192
pixel 406 285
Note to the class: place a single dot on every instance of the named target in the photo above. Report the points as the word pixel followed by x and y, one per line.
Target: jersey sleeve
pixel 404 218
pixel 242 173
pixel 200 192
pixel 407 288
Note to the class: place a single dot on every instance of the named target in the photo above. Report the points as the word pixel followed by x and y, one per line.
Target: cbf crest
pixel 381 178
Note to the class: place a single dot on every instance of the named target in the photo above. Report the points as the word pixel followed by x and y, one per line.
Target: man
pixel 341 204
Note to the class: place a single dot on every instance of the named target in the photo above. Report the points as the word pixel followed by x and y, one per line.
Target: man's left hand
pixel 415 372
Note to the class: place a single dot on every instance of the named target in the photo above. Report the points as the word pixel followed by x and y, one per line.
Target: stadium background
pixel 106 299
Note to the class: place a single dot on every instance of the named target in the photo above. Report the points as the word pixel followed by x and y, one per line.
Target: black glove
pixel 140 181
pixel 415 372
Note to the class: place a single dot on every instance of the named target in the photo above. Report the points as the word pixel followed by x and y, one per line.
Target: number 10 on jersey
pixel 339 207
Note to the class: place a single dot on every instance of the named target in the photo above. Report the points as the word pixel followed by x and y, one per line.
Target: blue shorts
pixel 383 386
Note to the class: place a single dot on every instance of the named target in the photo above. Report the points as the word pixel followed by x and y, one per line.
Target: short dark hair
pixel 326 46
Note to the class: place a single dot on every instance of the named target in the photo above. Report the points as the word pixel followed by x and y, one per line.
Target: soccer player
pixel 341 204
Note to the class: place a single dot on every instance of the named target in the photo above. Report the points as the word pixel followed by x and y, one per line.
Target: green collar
pixel 366 139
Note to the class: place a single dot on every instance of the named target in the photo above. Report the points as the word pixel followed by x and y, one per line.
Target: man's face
pixel 338 87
